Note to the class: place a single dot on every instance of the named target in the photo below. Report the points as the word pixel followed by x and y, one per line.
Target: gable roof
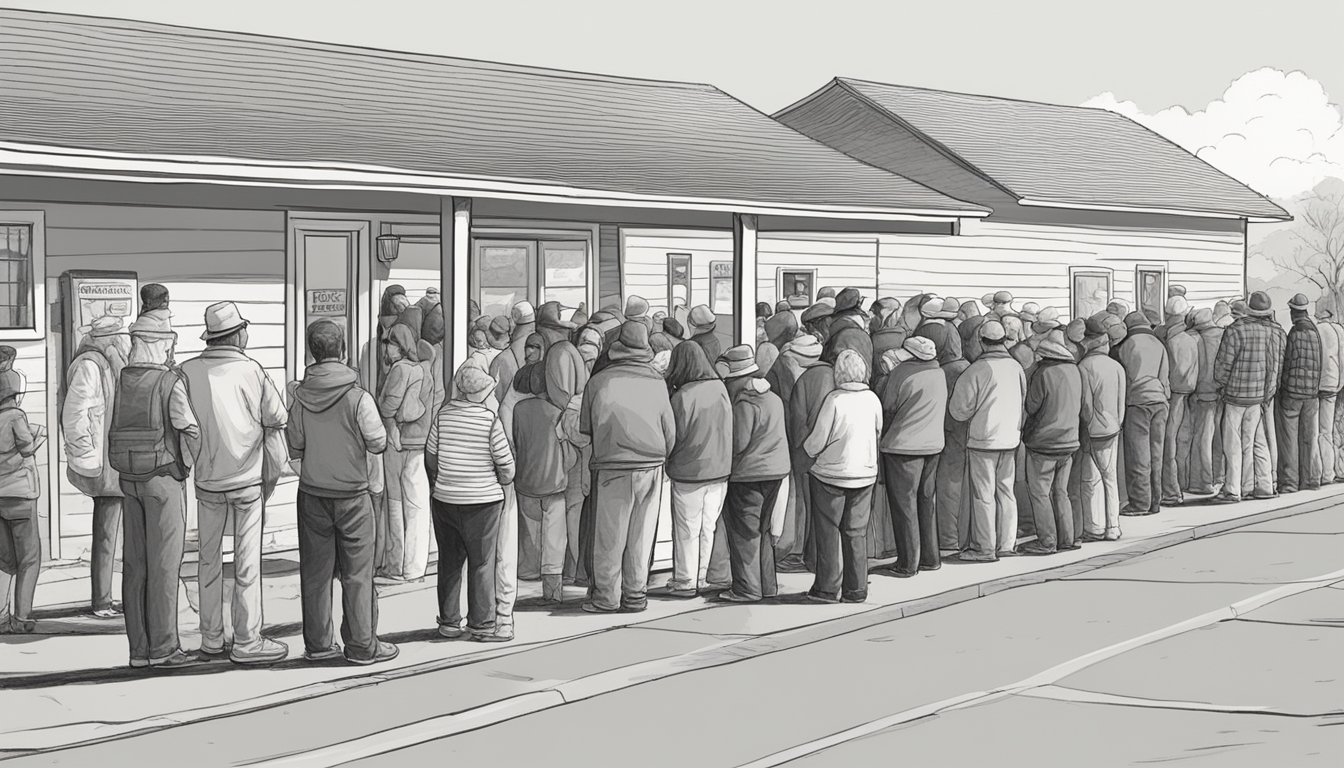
pixel 1060 156
pixel 261 107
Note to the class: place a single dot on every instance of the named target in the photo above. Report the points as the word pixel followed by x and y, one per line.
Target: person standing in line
pixel 759 463
pixel 1296 409
pixel 699 466
pixel 1053 415
pixel 332 427
pixel 914 409
pixel 152 441
pixel 702 324
pixel 1176 311
pixel 989 396
pixel 1323 460
pixel 469 463
pixel 1204 408
pixel 20 544
pixel 540 482
pixel 844 444
pixel 936 325
pixel 1244 372
pixel 1102 414
pixel 1337 428
pixel 817 319
pixel 780 329
pixel 954 511
pixel 969 329
pixel 628 414
pixel 90 394
pixel 404 404
pixel 1183 355
pixel 799 356
pixel 239 408
pixel 890 334
pixel 1267 440
pixel 637 311
pixel 1148 394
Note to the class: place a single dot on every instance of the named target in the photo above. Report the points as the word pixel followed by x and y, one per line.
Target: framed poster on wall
pixel 1090 290
pixel 1150 290
pixel 721 287
pixel 678 282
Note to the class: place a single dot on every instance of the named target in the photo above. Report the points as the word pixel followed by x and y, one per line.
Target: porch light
pixel 388 245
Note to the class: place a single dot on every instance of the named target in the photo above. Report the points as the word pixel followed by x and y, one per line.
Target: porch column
pixel 744 277
pixel 454 265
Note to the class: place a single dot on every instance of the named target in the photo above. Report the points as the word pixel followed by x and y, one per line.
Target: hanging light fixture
pixel 388 245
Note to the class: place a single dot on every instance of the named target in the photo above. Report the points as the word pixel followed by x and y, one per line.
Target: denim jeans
pixel 1176 449
pixel 1297 422
pixel 625 522
pixel 993 519
pixel 1100 486
pixel 155 522
pixel 1247 458
pixel 542 522
pixel 912 498
pixel 746 520
pixel 1145 437
pixel 1048 484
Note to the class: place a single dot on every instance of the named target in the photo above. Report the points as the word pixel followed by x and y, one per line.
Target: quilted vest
pixel 141 442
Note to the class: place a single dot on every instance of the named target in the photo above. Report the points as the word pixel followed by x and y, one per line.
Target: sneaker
pixel 330 654
pixel 498 635
pixel 590 607
pixel 971 557
pixel 269 652
pixel 1225 498
pixel 451 631
pixel 813 597
pixel 175 660
pixel 730 596
pixel 1092 537
pixel 1112 535
pixel 105 613
pixel 139 663
pixel 1035 549
pixel 215 654
pixel 385 652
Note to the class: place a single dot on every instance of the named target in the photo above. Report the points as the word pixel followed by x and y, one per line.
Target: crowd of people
pixel 921 429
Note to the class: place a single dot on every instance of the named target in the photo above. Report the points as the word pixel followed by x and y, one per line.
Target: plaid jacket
pixel 1302 360
pixel 1246 370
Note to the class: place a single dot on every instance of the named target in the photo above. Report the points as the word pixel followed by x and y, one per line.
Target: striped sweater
pixel 474 460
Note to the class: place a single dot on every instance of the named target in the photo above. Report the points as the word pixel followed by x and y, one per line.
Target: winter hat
pixel 826 293
pixel 431 329
pixel 499 331
pixel 701 317
pixel 931 307
pixel 1299 302
pixel 1097 324
pixel 1029 312
pixel 1203 318
pixel 482 323
pixel 920 347
pixel 781 328
pixel 672 328
pixel 950 309
pixel 992 330
pixel 1076 330
pixel 1175 290
pixel 969 309
pixel 783 306
pixel 817 311
pixel 1118 308
pixel 828 301
pixel 1116 328
pixel 636 307
pixel 741 361
pixel 1259 305
pixel 1053 347
pixel 471 380
pixel 1238 308
pixel 1046 320
pixel 764 310
pixel 634 335
pixel 849 299
pixel 524 313
pixel 987 300
pixel 805 346
pixel 477 339
pixel 1177 305
pixel 548 316
pixel 1003 297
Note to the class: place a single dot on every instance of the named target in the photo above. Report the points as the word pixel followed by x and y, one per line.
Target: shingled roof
pixel 1054 155
pixel 125 88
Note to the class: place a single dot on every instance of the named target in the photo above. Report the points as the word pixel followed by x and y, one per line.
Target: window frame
pixel 37 275
pixel 1075 272
pixel 782 288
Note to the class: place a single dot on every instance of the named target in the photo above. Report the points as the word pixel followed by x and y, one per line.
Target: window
pixel 721 296
pixel 503 273
pixel 1089 290
pixel 16 276
pixel 678 282
pixel 564 272
pixel 1150 290
pixel 797 286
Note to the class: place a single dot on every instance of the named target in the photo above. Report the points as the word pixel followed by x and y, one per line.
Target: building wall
pixel 202 256
pixel 1033 260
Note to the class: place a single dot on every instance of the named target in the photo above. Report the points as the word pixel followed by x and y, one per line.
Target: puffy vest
pixel 142 443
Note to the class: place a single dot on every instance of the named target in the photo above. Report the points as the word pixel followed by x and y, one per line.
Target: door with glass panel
pixel 325 260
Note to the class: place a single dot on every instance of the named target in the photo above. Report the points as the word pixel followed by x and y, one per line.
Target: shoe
pixel 385 652
pixel 552 589
pixel 15 625
pixel 1225 498
pixel 1199 491
pixel 175 660
pixel 971 557
pixel 671 591
pixel 634 607
pixel 813 597
pixel 451 631
pixel 857 597
pixel 1071 547
pixel 139 663
pixel 1135 512
pixel 1173 501
pixel 1112 535
pixel 730 596
pixel 215 654
pixel 896 572
pixel 498 635
pixel 791 564
pixel 930 567
pixel 330 654
pixel 1091 537
pixel 591 607
pixel 1312 487
pixel 1007 553
pixel 105 613
pixel 717 586
pixel 270 652
pixel 1261 495
pixel 1034 549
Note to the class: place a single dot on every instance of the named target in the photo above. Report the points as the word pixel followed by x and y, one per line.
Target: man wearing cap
pixel 1097 518
pixel 1205 443
pixel 628 414
pixel 1246 372
pixel 849 309
pixel 817 319
pixel 1183 353
pixel 1296 411
pixel 1175 290
pixel 1147 405
pixel 238 406
pixel 1176 310
pixel 937 326
pixel 1053 415
pixel 702 327
pixel 152 442
pixel 798 355
pixel 989 396
pixel 153 297
pixel 90 391
pixel 1007 316
pixel 914 409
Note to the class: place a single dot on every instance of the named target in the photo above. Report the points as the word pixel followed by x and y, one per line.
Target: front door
pixel 328 284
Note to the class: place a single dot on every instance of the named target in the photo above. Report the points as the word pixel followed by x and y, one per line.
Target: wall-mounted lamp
pixel 388 245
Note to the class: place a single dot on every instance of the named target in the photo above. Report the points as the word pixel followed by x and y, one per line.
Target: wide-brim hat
pixel 739 361
pixel 221 319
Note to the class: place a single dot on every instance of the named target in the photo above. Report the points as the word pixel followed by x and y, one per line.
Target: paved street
pixel 1224 650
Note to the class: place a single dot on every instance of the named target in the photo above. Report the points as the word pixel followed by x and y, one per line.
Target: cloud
pixel 1275 131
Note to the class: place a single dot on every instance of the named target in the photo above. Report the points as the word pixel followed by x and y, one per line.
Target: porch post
pixel 454 266
pixel 744 277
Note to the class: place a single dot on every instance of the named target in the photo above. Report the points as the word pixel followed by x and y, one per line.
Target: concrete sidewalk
pixel 616 650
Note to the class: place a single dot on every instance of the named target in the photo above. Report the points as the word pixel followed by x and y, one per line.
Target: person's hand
pixel 394 438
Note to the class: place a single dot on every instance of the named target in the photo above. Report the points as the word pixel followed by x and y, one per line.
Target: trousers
pixel 695 518
pixel 1100 487
pixel 1296 422
pixel 336 540
pixel 993 518
pixel 1323 461
pixel 1203 439
pixel 468 536
pixel 408 522
pixel 214 509
pixel 912 498
pixel 1245 451
pixel 840 529
pixel 1048 484
pixel 20 555
pixel 1144 433
pixel 953 500
pixel 747 509
pixel 543 521
pixel 155 523
pixel 107 512
pixel 625 523
pixel 1176 449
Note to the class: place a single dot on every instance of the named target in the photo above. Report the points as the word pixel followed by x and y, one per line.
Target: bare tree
pixel 1313 248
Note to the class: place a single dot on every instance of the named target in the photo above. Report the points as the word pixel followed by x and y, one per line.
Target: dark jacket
pixel 914 409
pixel 710 343
pixel 1302 360
pixel 628 414
pixel 1053 408
pixel 704 419
pixel 1147 370
pixel 805 401
pixel 566 373
pixel 760 445
pixel 883 342
pixel 333 426
pixel 537 451
pixel 1209 338
pixel 943 335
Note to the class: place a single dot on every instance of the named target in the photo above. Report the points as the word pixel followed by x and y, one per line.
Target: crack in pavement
pixel 1081 696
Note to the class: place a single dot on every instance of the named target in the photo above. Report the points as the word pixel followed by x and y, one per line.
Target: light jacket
pixel 1183 352
pixel 235 403
pixel 914 409
pixel 760 443
pixel 333 426
pixel 845 437
pixel 91 386
pixel 627 412
pixel 989 396
pixel 1103 405
pixel 704 448
pixel 1330 357
pixel 1147 369
pixel 19 444
pixel 405 403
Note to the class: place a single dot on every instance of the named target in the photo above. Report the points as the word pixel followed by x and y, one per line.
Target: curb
pixel 713 655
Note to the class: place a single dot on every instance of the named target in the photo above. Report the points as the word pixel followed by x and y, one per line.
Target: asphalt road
pixel 1139 662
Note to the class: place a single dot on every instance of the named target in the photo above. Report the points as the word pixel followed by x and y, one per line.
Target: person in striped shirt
pixel 468 468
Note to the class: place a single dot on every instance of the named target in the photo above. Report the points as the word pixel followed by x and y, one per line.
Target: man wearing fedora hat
pixel 152 441
pixel 238 406
pixel 90 390
pixel 1246 373
pixel 1296 408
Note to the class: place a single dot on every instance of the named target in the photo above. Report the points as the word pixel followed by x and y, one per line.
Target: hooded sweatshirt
pixel 408 397
pixel 628 414
pixel 760 443
pixel 566 373
pixel 333 426
pixel 1147 369
pixel 704 419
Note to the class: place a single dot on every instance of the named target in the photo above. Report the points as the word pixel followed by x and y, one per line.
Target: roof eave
pixel 1115 208
pixel 22 159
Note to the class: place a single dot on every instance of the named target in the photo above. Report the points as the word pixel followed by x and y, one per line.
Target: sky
pixel 1140 57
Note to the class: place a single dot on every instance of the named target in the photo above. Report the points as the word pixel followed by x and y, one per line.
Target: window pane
pixel 565 265
pixel 568 297
pixel 16 243
pixel 502 266
pixel 1091 293
pixel 497 300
